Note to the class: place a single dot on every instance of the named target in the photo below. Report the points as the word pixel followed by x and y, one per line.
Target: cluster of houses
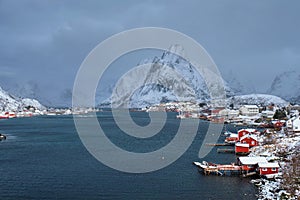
pixel 244 115
pixel 243 141
pixel 50 112
pixel 258 165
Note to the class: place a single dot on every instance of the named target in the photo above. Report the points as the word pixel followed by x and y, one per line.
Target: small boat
pixel 2 137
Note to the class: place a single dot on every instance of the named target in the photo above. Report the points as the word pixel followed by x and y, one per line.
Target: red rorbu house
pixel 242 149
pixel 249 139
pixel 242 132
pixel 250 163
pixel 268 169
pixel 248 131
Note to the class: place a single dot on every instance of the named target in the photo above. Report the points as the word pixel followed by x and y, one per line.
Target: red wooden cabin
pixel 248 131
pixel 268 168
pixel 249 139
pixel 250 163
pixel 242 149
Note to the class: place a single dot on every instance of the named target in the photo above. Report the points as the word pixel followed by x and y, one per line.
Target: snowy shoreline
pixel 284 147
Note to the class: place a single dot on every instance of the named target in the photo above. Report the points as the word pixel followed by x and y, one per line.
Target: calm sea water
pixel 43 158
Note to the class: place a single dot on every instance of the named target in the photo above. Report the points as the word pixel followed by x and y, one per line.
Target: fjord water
pixel 43 158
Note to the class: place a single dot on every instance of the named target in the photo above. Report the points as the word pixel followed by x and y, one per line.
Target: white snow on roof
pixel 250 106
pixel 251 130
pixel 234 135
pixel 268 165
pixel 252 160
pixel 242 145
pixel 254 137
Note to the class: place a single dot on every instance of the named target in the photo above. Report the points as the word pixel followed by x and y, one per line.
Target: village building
pixel 249 110
pixel 294 113
pixel 247 131
pixel 242 149
pixel 250 163
pixel 249 139
pixel 294 124
pixel 267 168
pixel 267 114
pixel 229 114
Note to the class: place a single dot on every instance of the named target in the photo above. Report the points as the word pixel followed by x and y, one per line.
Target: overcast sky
pixel 42 43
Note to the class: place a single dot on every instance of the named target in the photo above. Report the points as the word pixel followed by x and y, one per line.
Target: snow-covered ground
pixel 258 99
pixel 283 147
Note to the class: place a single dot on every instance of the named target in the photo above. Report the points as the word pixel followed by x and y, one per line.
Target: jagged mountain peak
pixel 169 78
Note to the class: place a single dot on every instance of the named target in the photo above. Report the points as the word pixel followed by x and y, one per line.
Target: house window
pixel 264 169
pixel 273 169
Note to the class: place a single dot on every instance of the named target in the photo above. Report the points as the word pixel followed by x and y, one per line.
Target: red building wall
pixel 267 171
pixel 241 133
pixel 241 149
pixel 249 140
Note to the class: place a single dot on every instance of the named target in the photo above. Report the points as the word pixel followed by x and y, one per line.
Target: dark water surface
pixel 43 158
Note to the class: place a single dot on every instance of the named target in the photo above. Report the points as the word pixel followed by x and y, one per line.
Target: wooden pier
pixel 225 150
pixel 219 144
pixel 218 169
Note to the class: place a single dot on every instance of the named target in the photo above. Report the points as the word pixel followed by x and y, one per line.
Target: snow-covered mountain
pixel 257 99
pixel 169 78
pixel 11 103
pixel 287 86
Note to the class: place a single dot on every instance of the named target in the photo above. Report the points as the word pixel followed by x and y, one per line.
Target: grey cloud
pixel 46 41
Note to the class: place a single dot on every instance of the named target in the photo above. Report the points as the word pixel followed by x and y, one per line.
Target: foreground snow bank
pixel 284 148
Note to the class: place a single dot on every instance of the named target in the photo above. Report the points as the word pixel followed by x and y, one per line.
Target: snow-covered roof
pixel 254 137
pixel 251 130
pixel 252 160
pixel 233 135
pixel 250 106
pixel 268 165
pixel 242 145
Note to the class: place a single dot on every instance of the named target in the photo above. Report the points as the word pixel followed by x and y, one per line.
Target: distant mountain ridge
pixel 287 86
pixel 258 99
pixel 11 103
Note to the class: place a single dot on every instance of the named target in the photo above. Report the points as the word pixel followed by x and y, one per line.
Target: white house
pixel 268 114
pixel 294 124
pixel 249 110
pixel 229 113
